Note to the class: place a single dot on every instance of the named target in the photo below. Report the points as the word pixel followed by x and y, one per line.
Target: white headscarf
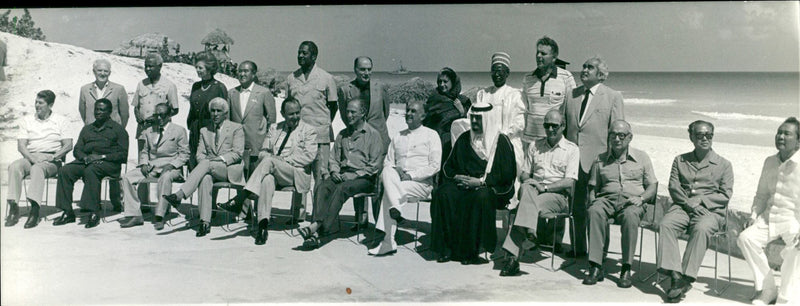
pixel 485 144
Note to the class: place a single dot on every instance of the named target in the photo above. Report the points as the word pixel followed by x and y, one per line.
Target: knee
pixel 632 214
pixel 595 211
pixel 703 228
pixel 16 166
pixel 38 168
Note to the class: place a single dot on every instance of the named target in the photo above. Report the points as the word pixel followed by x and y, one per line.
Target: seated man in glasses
pixel 700 184
pixel 549 171
pixel 620 181
pixel 165 151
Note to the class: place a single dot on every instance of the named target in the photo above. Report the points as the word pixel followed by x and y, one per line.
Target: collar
pixel 795 157
pixel 358 85
pixel 94 85
pixel 630 154
pixel 539 72
pixel 362 130
pixel 102 127
pixel 53 113
pixel 594 88
pixel 711 157
pixel 249 88
pixel 166 126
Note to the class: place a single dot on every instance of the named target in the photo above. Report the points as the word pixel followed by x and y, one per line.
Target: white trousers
pixel 752 242
pixel 395 195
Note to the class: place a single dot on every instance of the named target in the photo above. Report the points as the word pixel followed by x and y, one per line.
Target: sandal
pixel 311 243
pixel 305 232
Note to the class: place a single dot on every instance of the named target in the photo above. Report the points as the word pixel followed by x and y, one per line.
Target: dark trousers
pixel 91 175
pixel 579 244
pixel 330 197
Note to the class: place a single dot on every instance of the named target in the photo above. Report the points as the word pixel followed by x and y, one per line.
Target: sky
pixel 702 36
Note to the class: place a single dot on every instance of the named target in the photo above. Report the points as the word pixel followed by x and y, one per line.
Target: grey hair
pixel 97 62
pixel 219 101
pixel 602 67
pixel 155 56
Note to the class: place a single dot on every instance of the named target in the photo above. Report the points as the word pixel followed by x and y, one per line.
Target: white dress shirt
pixel 777 198
pixel 418 152
pixel 244 97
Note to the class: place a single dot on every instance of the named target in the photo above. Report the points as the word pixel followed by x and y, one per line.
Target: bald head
pixel 620 126
pixel 554 116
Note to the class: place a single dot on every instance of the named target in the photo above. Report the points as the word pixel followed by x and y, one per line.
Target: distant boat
pixel 401 69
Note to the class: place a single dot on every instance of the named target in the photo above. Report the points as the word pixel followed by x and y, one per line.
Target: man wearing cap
pixel 544 89
pixel 506 103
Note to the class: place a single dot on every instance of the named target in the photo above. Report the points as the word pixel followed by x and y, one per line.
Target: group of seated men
pixel 477 178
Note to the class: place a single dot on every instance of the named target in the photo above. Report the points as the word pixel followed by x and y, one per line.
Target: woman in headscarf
pixel 445 106
pixel 202 92
pixel 478 177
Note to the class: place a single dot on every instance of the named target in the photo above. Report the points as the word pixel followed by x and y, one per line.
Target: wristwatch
pixel 103 156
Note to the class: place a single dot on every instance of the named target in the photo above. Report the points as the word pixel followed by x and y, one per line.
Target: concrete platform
pixel 110 265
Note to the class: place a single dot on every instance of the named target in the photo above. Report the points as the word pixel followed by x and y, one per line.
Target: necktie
pixel 216 138
pixel 583 104
pixel 283 144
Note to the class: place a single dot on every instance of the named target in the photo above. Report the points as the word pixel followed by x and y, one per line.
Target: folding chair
pixel 46 193
pixel 370 196
pixel 106 181
pixel 642 225
pixel 291 209
pixel 722 233
pixel 228 186
pixel 558 216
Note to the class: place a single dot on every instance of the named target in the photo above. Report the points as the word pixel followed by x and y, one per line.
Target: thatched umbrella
pixel 140 45
pixel 217 37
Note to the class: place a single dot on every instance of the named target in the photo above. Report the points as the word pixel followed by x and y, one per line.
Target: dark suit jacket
pixel 378 108
pixel 259 113
pixel 592 133
pixel 115 93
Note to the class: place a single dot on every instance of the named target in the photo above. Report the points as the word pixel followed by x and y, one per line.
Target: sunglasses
pixel 548 126
pixel 618 135
pixel 708 136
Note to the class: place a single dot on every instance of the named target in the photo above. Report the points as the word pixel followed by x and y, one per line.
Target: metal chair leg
pixel 416 229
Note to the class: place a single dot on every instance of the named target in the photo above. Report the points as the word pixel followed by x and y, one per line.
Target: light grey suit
pixel 171 149
pixel 114 92
pixel 230 148
pixel 590 134
pixel 292 167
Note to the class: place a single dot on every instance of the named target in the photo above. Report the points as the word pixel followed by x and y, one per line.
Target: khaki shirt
pixel 148 95
pixel 612 177
pixel 314 93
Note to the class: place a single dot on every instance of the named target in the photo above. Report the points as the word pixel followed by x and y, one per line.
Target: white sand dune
pixel 37 65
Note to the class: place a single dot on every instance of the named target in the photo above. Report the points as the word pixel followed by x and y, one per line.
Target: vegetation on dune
pixel 23 26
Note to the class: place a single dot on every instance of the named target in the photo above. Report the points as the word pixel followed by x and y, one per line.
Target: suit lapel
pixel 599 97
pixel 235 104
pixel 108 90
pixel 91 92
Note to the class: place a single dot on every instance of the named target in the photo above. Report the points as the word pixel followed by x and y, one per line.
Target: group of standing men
pixel 565 146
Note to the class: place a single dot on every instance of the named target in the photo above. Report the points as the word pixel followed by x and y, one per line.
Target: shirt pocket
pixel 555 89
pixel 634 173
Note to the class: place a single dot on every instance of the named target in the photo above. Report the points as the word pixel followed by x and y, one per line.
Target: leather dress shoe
pixel 443 258
pixel 511 268
pixel 262 234
pixel 231 206
pixel 173 200
pixel 33 217
pixel 13 215
pixel 134 221
pixel 395 214
pixel 94 220
pixel 595 275
pixel 64 219
pixel 203 230
pixel 625 277
pixel 158 225
pixel 679 289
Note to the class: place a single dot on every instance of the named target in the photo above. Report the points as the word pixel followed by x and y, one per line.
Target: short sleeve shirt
pixel 313 93
pixel 548 164
pixel 541 96
pixel 148 95
pixel 627 177
pixel 44 135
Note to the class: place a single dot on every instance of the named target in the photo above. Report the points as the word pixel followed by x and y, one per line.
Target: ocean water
pixel 745 107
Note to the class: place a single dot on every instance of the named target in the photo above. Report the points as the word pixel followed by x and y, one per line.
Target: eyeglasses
pixel 708 136
pixel 548 126
pixel 618 135
pixel 162 115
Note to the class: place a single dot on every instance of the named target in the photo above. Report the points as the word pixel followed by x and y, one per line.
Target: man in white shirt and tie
pixel 412 159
